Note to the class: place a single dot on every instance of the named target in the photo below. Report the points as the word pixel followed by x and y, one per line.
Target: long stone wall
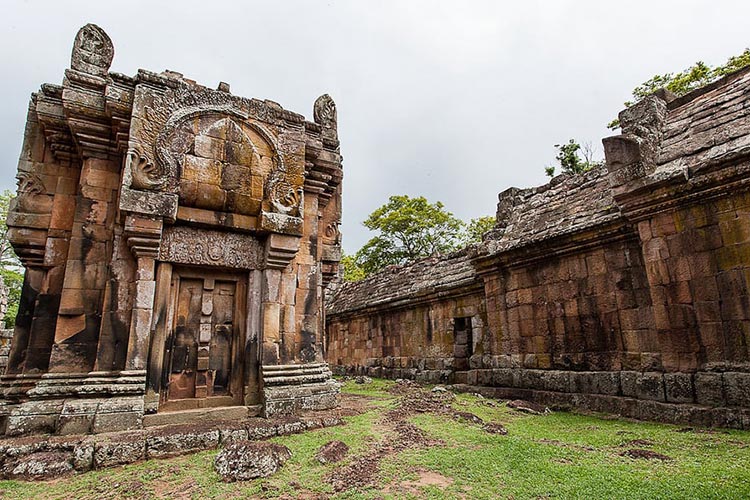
pixel 624 289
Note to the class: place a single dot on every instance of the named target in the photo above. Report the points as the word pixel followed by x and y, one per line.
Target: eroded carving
pixel 324 111
pixel 92 51
pixel 29 183
pixel 287 199
pixel 144 173
pixel 331 234
pixel 190 246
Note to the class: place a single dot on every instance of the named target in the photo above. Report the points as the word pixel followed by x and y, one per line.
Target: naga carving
pixel 324 111
pixel 29 183
pixel 331 234
pixel 286 199
pixel 144 174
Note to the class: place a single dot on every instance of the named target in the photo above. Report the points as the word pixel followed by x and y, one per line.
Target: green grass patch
pixel 561 455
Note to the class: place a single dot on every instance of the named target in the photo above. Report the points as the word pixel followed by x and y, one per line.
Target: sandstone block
pixel 679 387
pixel 709 389
pixel 245 460
pixel 650 385
pixel 737 388
pixel 180 441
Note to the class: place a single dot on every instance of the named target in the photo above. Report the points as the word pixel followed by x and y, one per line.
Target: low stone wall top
pixel 407 282
pixel 565 205
pixel 696 131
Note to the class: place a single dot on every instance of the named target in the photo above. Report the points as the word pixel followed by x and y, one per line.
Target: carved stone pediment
pixel 210 149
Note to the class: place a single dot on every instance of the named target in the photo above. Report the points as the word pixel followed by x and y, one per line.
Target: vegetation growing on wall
pixel 687 80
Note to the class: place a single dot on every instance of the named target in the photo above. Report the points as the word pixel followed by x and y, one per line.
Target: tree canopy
pixel 409 229
pixel 477 227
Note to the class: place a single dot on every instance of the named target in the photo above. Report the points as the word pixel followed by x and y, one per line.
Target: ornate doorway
pixel 203 358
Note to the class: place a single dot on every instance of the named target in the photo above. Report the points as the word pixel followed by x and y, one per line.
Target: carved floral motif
pixel 210 248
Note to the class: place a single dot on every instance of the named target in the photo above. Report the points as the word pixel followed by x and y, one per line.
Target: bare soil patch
pixel 638 453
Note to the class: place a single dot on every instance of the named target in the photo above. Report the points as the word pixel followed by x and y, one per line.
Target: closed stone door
pixel 204 338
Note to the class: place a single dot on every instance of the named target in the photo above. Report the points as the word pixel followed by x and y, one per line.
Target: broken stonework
pixel 40 465
pixel 176 241
pixel 43 457
pixel 622 289
pixel 245 460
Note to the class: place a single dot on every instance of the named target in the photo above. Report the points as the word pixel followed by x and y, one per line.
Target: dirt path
pixel 400 434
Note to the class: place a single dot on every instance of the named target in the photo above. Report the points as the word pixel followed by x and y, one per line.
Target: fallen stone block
pixel 245 460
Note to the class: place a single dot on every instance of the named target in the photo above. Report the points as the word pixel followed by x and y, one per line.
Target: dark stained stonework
pixel 176 240
pixel 625 289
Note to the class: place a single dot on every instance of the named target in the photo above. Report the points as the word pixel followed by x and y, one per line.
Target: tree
pixel 410 228
pixel 352 270
pixel 10 266
pixel 685 81
pixel 570 162
pixel 477 227
pixel 7 255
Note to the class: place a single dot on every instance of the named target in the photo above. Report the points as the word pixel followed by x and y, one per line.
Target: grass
pixel 561 455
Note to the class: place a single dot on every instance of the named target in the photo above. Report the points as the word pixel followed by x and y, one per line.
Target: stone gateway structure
pixel 625 289
pixel 176 241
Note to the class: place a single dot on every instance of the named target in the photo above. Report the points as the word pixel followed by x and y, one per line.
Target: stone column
pixel 144 237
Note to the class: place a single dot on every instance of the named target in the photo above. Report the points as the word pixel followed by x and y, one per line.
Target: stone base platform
pixel 291 389
pixel 43 457
pixel 704 398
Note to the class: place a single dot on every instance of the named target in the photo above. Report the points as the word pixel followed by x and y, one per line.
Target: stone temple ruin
pixel 624 290
pixel 176 241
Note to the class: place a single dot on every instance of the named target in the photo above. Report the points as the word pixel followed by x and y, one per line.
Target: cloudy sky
pixel 455 101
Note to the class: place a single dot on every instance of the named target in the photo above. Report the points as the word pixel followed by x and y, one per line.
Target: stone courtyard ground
pixel 410 442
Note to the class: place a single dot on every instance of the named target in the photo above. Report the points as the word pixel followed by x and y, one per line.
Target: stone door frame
pixel 239 364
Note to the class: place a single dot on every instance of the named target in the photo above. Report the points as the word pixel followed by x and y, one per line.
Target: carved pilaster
pixel 144 239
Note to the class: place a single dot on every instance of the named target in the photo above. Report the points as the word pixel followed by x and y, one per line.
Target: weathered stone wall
pixel 414 342
pixel 418 336
pixel 624 289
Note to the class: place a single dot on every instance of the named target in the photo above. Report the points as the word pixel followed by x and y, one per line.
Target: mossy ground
pixel 561 455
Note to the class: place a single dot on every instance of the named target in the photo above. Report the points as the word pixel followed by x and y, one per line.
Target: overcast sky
pixel 455 101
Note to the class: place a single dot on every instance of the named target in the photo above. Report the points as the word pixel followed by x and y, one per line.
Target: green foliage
pixel 410 228
pixel 352 270
pixel 570 161
pixel 7 255
pixel 10 266
pixel 477 227
pixel 13 279
pixel 683 82
pixel 560 455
